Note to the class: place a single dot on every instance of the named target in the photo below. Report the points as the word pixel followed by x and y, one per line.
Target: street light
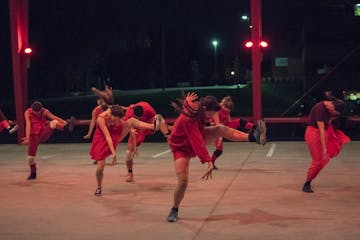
pixel 246 18
pixel 215 44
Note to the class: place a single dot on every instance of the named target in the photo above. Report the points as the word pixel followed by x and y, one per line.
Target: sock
pixel 33 168
pixel 252 137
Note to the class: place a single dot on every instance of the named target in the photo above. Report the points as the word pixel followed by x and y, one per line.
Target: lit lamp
pixel 215 44
pixel 357 9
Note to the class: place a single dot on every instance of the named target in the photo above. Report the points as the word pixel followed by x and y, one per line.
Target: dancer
pixel 144 112
pixel 323 141
pixel 38 131
pixel 6 124
pixel 110 131
pixel 189 137
pixel 223 117
pixel 105 98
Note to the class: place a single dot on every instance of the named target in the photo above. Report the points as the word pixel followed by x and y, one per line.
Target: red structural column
pixel 256 35
pixel 18 11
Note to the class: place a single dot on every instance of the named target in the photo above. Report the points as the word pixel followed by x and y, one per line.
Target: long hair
pixel 195 109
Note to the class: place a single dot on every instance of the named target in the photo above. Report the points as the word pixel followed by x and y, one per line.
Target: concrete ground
pixel 255 194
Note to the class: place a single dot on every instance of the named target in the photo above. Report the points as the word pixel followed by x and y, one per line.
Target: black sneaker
pixel 260 132
pixel 97 192
pixel 215 167
pixel 32 176
pixel 307 188
pixel 173 215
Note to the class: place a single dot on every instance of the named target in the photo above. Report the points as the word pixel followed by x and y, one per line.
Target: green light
pixel 357 9
pixel 215 43
pixel 244 17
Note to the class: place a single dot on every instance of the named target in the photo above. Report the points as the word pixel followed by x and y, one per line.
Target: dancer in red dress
pixel 144 112
pixel 223 117
pixel 94 114
pixel 5 124
pixel 38 130
pixel 111 129
pixel 189 137
pixel 323 141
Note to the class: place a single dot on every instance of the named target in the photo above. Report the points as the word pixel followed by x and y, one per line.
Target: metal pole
pixel 18 11
pixel 256 33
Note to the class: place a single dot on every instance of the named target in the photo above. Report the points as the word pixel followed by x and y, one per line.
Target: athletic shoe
pixel 13 129
pixel 215 167
pixel 32 176
pixel 157 122
pixel 129 177
pixel 97 192
pixel 173 215
pixel 260 132
pixel 307 188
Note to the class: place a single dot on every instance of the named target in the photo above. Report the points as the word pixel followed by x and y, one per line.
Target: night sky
pixel 78 44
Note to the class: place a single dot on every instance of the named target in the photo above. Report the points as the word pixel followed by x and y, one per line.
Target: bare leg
pixel 99 175
pixel 182 173
pixel 214 132
pixel 135 123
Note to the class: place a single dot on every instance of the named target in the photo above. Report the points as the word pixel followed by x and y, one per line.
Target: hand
pixel 190 97
pixel 209 171
pixel 87 136
pixel 24 140
pixel 114 161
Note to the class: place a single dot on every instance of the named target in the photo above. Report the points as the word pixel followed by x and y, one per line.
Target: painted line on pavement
pixel 160 154
pixel 271 150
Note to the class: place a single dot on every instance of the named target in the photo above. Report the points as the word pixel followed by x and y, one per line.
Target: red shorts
pixel 36 139
pixel 182 153
pixel 4 124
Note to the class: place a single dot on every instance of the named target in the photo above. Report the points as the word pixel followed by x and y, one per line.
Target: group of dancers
pixel 201 121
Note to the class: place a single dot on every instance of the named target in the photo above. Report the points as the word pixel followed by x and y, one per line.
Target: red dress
pixel 99 147
pixel 186 139
pixel 148 117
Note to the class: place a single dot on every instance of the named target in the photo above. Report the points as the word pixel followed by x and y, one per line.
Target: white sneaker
pixel 13 129
pixel 157 122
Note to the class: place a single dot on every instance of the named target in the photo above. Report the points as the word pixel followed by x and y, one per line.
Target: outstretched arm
pixel 92 124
